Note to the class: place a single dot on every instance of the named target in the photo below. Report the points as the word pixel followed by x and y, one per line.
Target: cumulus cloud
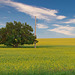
pixel 41 13
pixel 67 30
pixel 70 21
pixel 41 26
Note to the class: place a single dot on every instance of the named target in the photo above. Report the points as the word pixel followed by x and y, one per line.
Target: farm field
pixel 51 57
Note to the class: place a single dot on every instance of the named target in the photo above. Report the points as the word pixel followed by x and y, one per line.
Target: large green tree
pixel 16 33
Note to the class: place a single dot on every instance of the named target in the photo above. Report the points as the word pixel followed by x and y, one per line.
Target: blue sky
pixel 55 18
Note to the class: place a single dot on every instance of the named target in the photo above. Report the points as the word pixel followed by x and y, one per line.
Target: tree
pixel 16 33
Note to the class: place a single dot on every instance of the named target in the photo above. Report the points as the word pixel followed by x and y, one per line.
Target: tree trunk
pixel 15 45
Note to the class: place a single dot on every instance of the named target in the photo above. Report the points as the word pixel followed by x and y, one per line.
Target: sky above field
pixel 55 18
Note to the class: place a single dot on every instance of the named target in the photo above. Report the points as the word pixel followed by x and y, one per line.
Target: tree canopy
pixel 16 33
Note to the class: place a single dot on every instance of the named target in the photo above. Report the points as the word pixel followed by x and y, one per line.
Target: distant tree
pixel 16 33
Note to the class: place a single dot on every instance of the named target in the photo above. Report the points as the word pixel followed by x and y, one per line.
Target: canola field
pixel 51 57
pixel 56 41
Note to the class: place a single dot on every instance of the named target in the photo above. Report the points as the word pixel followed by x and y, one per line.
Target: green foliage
pixel 16 33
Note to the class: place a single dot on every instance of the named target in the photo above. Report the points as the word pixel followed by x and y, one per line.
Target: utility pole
pixel 35 33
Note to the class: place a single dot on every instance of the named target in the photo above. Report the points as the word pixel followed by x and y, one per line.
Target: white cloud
pixel 4 17
pixel 9 12
pixel 70 21
pixel 2 25
pixel 41 26
pixel 61 17
pixel 56 25
pixel 41 13
pixel 67 30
